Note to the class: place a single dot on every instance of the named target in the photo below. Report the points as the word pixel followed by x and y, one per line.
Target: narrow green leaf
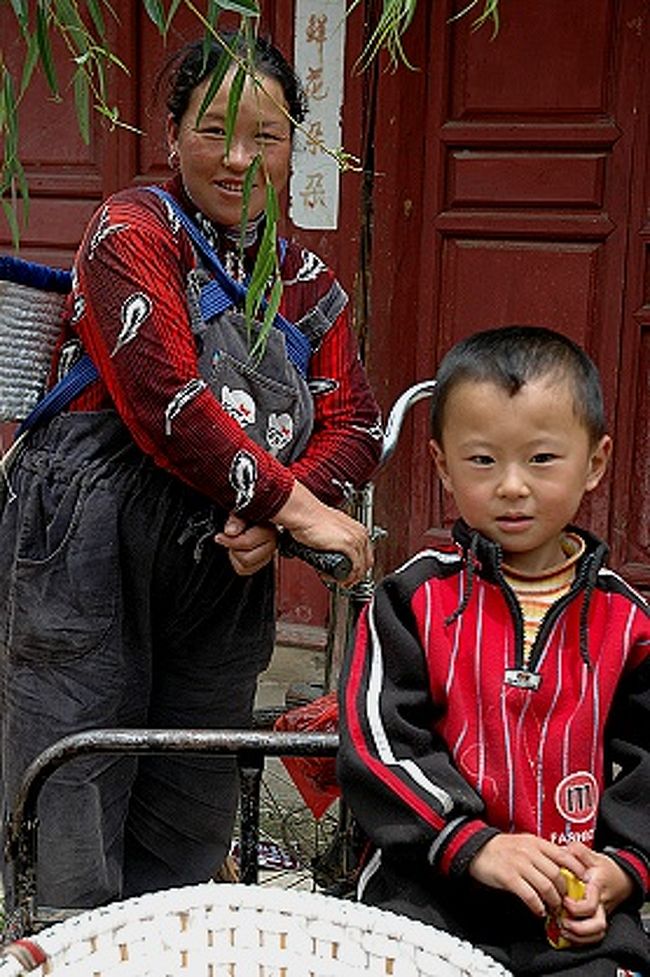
pixel 247 8
pixel 97 18
pixel 272 204
pixel 10 117
pixel 266 261
pixel 221 69
pixel 21 180
pixel 31 59
pixel 12 220
pixel 82 103
pixel 269 315
pixel 45 47
pixel 259 279
pixel 212 13
pixel 101 79
pixel 249 179
pixel 72 25
pixel 111 113
pixel 21 11
pixel 490 12
pixel 108 55
pixel 171 13
pixel 234 97
pixel 156 13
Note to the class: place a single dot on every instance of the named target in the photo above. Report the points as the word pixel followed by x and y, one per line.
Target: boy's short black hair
pixel 509 357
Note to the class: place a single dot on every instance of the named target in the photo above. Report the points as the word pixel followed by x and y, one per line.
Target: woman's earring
pixel 173 159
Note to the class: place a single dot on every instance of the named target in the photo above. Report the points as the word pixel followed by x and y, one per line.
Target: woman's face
pixel 215 181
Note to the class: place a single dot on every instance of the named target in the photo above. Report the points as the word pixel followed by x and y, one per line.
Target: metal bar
pixel 249 747
pixel 251 767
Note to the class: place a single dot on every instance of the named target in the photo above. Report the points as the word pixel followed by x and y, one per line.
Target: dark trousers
pixel 502 926
pixel 117 609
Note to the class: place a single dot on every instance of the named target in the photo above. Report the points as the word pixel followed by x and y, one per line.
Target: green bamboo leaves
pixel 490 11
pixel 395 19
pixel 265 278
pixel 15 181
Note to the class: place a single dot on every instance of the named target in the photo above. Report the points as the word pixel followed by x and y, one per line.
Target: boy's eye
pixel 543 458
pixel 483 460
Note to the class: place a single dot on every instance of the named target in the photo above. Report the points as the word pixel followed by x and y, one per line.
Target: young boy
pixel 495 710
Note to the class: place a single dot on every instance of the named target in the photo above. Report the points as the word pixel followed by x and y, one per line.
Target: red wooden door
pixel 518 194
pixel 510 183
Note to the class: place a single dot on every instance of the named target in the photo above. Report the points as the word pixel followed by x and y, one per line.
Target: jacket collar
pixel 488 555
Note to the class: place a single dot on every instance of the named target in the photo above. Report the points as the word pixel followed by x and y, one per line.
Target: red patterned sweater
pixel 128 308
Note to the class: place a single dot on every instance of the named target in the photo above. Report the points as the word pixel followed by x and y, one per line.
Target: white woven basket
pixel 248 931
pixel 30 325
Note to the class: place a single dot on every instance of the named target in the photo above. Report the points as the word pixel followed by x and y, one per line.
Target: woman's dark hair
pixel 194 63
pixel 514 355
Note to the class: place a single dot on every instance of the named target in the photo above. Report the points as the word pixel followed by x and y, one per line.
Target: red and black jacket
pixel 439 751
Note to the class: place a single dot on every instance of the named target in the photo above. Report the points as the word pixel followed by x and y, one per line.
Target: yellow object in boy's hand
pixel 575 889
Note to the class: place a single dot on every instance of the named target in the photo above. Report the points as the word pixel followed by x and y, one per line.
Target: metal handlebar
pixel 331 562
pixel 399 411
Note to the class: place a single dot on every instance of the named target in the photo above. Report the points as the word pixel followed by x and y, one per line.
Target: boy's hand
pixel 527 866
pixel 584 920
pixel 613 883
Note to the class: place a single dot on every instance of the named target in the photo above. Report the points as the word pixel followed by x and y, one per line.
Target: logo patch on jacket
pixel 576 797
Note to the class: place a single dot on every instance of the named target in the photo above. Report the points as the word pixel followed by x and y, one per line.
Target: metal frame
pixel 249 747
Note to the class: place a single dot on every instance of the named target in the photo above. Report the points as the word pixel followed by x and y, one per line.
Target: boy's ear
pixel 598 461
pixel 439 460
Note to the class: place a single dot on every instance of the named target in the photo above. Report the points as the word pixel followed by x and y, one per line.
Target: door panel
pixel 530 144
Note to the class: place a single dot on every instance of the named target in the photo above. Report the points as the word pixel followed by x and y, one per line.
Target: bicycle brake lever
pixel 333 564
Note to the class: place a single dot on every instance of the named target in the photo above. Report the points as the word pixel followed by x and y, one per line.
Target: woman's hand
pixel 324 528
pixel 527 866
pixel 250 547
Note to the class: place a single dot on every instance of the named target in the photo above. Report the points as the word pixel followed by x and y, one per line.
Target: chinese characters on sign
pixel 319 60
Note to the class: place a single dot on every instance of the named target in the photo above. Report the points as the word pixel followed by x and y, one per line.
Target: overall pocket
pixel 266 395
pixel 62 597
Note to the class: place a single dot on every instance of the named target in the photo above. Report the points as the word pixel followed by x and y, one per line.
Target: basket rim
pixel 327 910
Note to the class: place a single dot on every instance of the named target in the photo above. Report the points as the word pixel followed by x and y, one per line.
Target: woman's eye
pixel 214 131
pixel 269 138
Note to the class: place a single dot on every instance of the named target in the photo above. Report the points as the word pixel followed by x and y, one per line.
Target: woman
pixel 136 576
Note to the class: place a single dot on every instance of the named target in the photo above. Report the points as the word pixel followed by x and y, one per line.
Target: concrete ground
pixel 291 663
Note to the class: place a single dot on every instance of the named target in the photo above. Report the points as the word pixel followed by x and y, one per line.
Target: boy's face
pixel 518 466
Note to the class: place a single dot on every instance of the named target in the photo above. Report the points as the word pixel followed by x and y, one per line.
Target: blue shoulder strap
pixel 222 292
pixel 83 372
